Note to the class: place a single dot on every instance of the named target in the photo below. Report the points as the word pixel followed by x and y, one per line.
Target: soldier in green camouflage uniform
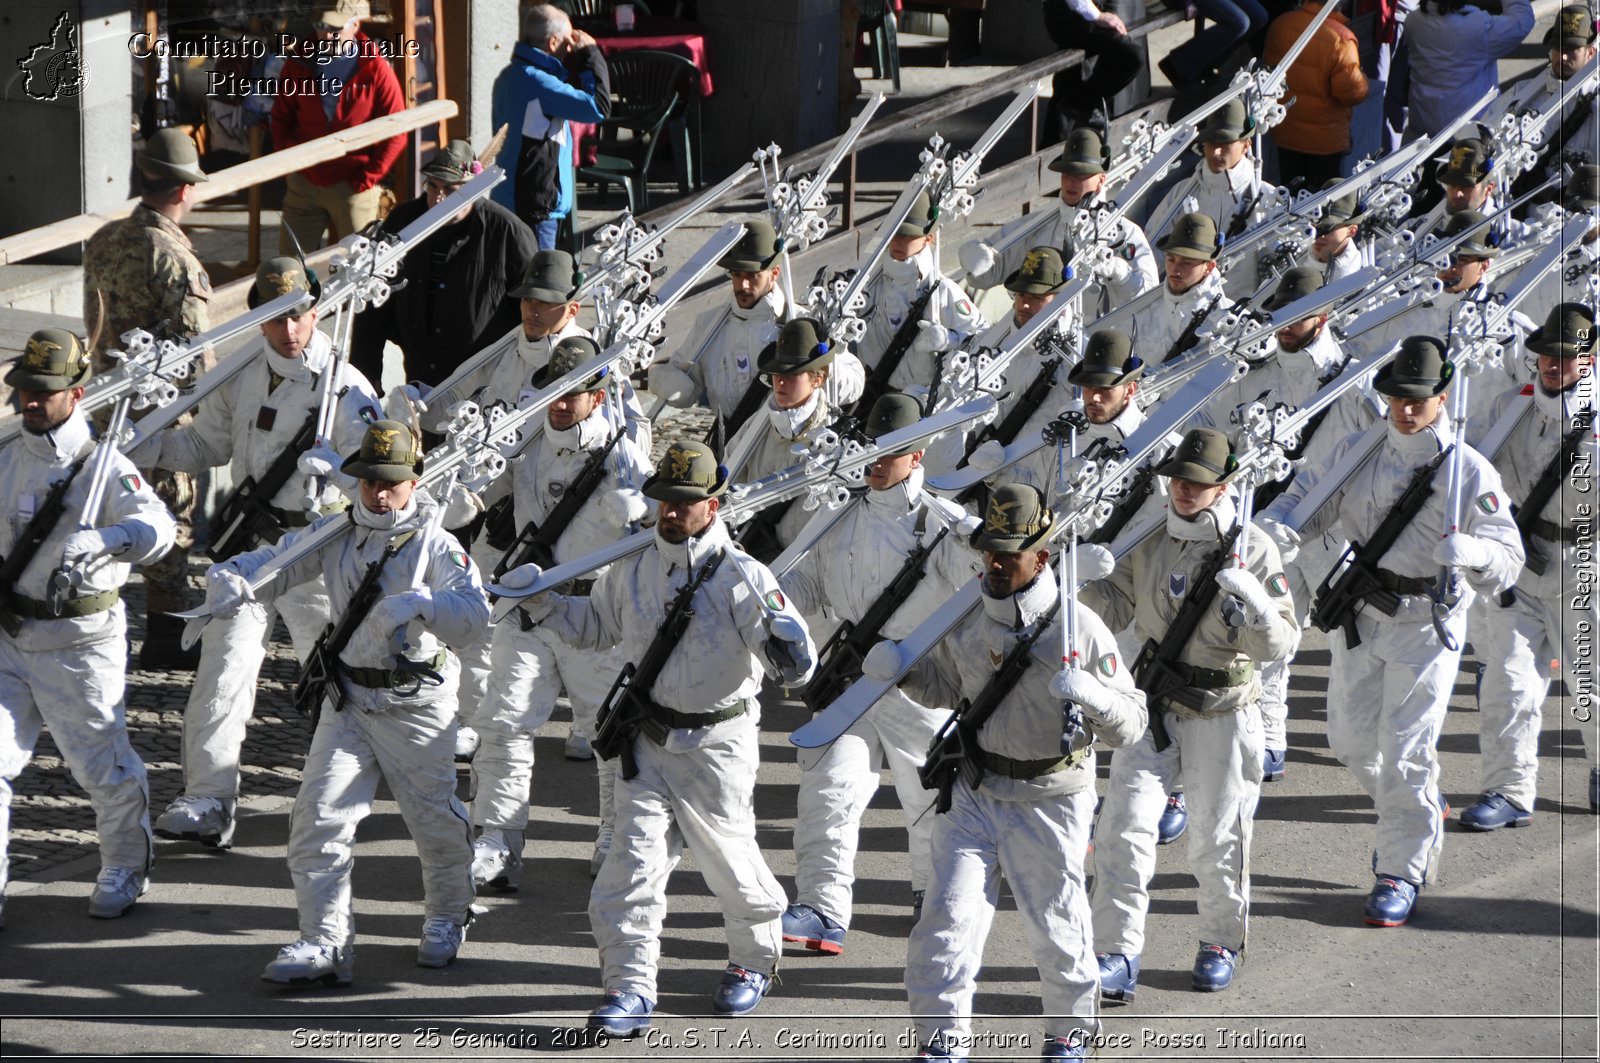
pixel 143 271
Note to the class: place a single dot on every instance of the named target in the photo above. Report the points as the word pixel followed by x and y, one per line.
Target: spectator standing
pixel 1325 83
pixel 461 276
pixel 556 76
pixel 341 194
pixel 1455 50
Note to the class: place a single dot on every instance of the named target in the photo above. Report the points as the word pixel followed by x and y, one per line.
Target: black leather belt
pixel 1406 584
pixel 686 720
pixel 389 678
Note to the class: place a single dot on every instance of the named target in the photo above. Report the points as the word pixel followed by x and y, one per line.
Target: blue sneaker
pixel 1119 976
pixel 1494 811
pixel 1594 789
pixel 1174 821
pixel 1213 968
pixel 623 1014
pixel 740 991
pixel 936 1051
pixel 1063 1048
pixel 804 924
pixel 1272 764
pixel 1391 902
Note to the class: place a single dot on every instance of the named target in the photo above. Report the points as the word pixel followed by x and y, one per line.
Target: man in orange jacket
pixel 1325 83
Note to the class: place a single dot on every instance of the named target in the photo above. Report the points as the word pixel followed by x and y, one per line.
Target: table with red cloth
pixel 657 33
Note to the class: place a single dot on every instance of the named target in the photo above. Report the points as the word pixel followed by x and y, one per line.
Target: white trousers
pixel 477 667
pixel 706 797
pixel 530 669
pixel 1218 760
pixel 1524 638
pixel 1386 702
pixel 837 783
pixel 1038 845
pixel 77 691
pixel 410 742
pixel 224 693
pixel 1275 673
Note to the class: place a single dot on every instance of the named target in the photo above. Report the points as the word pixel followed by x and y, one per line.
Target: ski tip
pixel 192 629
pixel 502 608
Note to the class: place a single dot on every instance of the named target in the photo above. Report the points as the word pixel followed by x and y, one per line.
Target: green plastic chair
pixel 647 89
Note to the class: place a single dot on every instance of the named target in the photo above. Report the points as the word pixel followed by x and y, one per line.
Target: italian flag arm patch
pixel 459 558
pixel 129 483
pixel 775 601
pixel 1278 585
pixel 1489 502
pixel 1107 665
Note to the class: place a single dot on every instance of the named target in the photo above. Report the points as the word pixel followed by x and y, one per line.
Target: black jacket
pixel 454 301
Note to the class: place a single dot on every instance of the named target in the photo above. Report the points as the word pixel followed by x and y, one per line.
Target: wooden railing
pixel 233 179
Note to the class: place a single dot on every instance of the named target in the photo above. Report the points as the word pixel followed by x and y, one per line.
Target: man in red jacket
pixel 344 82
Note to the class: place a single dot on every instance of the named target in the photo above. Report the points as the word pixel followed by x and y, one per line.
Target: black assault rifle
pixel 841 657
pixel 33 535
pixel 537 542
pixel 878 380
pixel 628 709
pixel 1158 670
pixel 248 512
pixel 320 673
pixel 954 752
pixel 1341 591
pixel 1544 489
pixel 1010 426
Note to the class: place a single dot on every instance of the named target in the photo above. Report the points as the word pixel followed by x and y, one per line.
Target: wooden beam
pixel 232 179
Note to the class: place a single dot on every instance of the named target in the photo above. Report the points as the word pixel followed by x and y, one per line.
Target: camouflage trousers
pixel 166 581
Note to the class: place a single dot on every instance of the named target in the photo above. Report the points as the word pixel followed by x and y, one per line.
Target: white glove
pixel 1082 689
pixel 397 610
pixel 537 606
pixel 461 506
pixel 1243 585
pixel 1457 550
pixel 932 338
pixel 83 547
pixel 1286 538
pixel 988 457
pixel 786 649
pixel 977 258
pixel 673 384
pixel 1094 562
pixel 404 400
pixel 1112 270
pixel 521 576
pixel 882 662
pixel 318 461
pixel 622 507
pixel 226 591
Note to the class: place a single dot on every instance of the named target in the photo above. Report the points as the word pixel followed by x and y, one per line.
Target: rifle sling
pixel 1550 478
pixel 38 529
pixel 1186 621
pixel 895 352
